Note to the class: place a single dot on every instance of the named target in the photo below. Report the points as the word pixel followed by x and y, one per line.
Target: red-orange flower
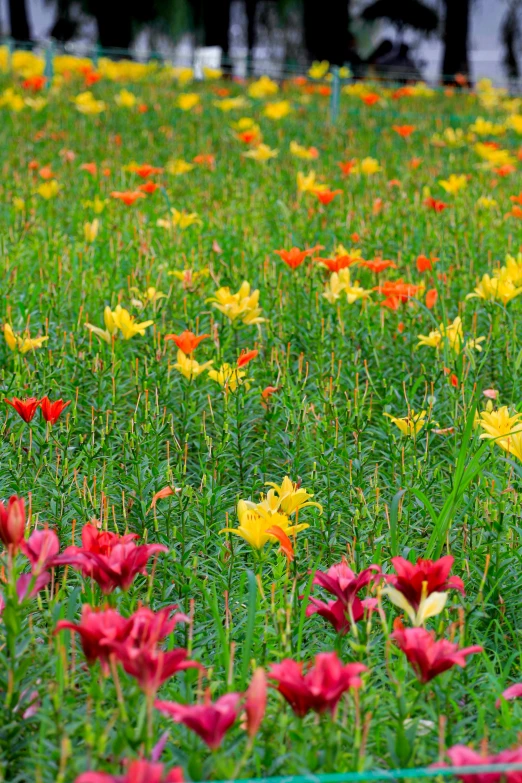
pixel 516 199
pixel 398 288
pixel 370 98
pixel 51 411
pixel 187 341
pixel 92 77
pixel 267 393
pixel 403 92
pixel 425 264
pixel 404 130
pixel 34 83
pixel 435 204
pixel 146 170
pixel 295 257
pixel 248 136
pixel 246 357
pixel 91 168
pixel 414 163
pixel 326 196
pixel 46 172
pixel 25 408
pixel 128 197
pixel 378 265
pixel 336 264
pixel 391 302
pixel 452 377
pixel 347 166
pixel 431 298
pixel 205 160
pixel 149 187
pixel 505 170
pixel 515 212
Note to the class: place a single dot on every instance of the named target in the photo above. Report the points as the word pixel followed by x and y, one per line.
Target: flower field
pixel 261 425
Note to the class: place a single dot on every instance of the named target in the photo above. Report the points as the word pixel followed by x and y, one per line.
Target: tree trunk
pixel 114 22
pixel 456 37
pixel 216 23
pixel 18 20
pixel 326 30
pixel 251 7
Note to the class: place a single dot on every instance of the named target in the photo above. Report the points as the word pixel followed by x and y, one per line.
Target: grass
pixel 135 425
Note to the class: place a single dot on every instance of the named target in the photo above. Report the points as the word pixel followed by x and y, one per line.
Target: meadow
pixel 261 437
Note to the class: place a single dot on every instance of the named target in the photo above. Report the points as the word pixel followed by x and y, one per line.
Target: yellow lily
pixel 261 153
pixel 454 183
pixel 409 425
pixel 318 70
pixel 492 288
pixel 126 323
pixel 287 497
pixel 263 88
pixel 229 376
pixel 125 99
pixel 253 525
pixel 48 190
pixel 151 295
pixel 277 110
pixel 22 344
pixel 190 368
pixel 178 166
pixel 430 605
pixel 90 230
pixel 243 305
pixel 187 100
pixel 307 183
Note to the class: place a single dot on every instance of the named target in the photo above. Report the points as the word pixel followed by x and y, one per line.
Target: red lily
pixel 378 265
pixel 25 408
pixel 435 204
pixel 41 548
pixel 336 612
pixel 429 657
pixel 255 702
pixel 513 692
pixel 461 756
pixel 425 264
pixel 51 411
pixel 149 187
pixel 12 523
pixel 347 166
pixel 321 687
pixel 145 170
pixel 295 257
pixel 139 654
pixel 246 357
pixel 399 289
pixel 141 771
pixel 98 629
pixel 418 581
pixel 326 196
pixel 210 720
pixel 90 168
pixel 111 560
pixel 187 341
pixel 342 582
pixel 404 130
pixel 128 197
pixel 336 264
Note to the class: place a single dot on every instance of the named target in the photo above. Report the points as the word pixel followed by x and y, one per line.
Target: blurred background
pixel 436 40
